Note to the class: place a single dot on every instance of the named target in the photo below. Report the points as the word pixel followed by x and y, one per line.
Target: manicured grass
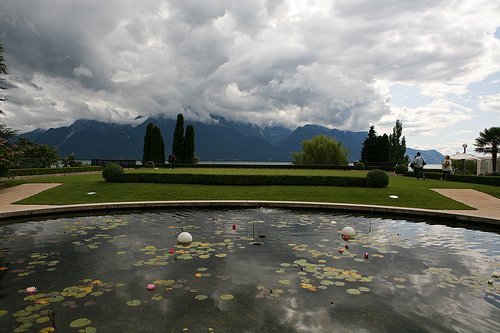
pixel 411 193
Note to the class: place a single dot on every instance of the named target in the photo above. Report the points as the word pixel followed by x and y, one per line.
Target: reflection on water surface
pixel 92 273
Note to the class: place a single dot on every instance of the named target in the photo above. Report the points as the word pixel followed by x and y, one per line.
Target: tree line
pixel 324 150
pixel 183 144
pixel 385 148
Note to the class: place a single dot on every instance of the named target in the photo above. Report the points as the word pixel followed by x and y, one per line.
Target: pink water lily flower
pixel 31 290
pixel 151 286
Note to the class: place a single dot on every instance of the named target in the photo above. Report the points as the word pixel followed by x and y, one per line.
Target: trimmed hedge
pixel 50 171
pixel 245 179
pixel 485 180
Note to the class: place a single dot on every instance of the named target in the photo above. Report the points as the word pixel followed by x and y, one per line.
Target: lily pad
pixel 226 297
pixel 81 322
pixel 201 297
pixel 42 320
pixel 353 291
pixel 134 302
pixel 88 329
pixel 3 312
pixel 284 282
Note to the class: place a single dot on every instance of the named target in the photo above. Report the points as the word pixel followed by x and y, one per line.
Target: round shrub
pixel 149 164
pixel 359 166
pixel 378 178
pixel 112 172
pixel 401 169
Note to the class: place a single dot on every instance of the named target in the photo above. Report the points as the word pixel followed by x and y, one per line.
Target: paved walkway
pixel 485 204
pixel 10 195
pixel 487 207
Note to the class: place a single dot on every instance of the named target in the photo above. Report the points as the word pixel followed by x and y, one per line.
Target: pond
pixel 247 270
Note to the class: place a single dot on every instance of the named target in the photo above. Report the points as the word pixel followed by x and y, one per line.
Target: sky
pixel 345 64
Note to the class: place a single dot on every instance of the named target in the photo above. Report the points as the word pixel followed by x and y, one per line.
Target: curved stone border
pixel 151 205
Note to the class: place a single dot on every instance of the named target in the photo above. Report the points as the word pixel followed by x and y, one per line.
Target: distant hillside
pixel 220 140
pixel 430 156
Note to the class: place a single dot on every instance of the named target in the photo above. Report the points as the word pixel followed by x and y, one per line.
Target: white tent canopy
pixel 464 156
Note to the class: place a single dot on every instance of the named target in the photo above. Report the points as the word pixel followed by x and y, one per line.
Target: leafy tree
pixel 3 71
pixel 397 148
pixel 321 150
pixel 369 152
pixel 154 147
pixel 178 140
pixel 189 143
pixel 70 161
pixel 488 142
pixel 8 152
pixel 33 155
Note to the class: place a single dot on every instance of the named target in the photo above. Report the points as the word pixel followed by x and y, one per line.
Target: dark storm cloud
pixel 267 62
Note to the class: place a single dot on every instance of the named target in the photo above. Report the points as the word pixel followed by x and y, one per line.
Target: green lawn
pixel 411 193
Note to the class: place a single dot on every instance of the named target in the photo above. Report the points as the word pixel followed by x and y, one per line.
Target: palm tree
pixel 488 142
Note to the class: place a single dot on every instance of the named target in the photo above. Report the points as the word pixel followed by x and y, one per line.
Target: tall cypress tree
pixel 154 147
pixel 383 148
pixel 397 152
pixel 146 151
pixel 178 140
pixel 157 147
pixel 188 148
pixel 369 149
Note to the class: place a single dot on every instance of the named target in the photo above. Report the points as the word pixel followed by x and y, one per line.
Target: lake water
pixel 92 273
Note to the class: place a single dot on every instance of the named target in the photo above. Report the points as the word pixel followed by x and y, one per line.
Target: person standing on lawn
pixel 418 166
pixel 446 167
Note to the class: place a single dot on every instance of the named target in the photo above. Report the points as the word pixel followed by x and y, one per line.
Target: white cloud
pixel 426 120
pixel 489 103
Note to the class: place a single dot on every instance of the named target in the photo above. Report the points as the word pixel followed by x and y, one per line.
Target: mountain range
pixel 220 140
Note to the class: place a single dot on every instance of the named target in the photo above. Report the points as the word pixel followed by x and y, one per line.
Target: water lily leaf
pixel 134 302
pixel 42 320
pixel 284 282
pixel 80 322
pixel 157 298
pixel 326 282
pixel 88 329
pixel 3 312
pixel 353 291
pixel 226 297
pixel 201 297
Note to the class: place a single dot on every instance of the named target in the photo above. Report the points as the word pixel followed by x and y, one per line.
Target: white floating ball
pixel 333 222
pixel 184 237
pixel 348 231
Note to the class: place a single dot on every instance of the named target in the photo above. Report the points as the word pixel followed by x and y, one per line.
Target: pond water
pixel 92 274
